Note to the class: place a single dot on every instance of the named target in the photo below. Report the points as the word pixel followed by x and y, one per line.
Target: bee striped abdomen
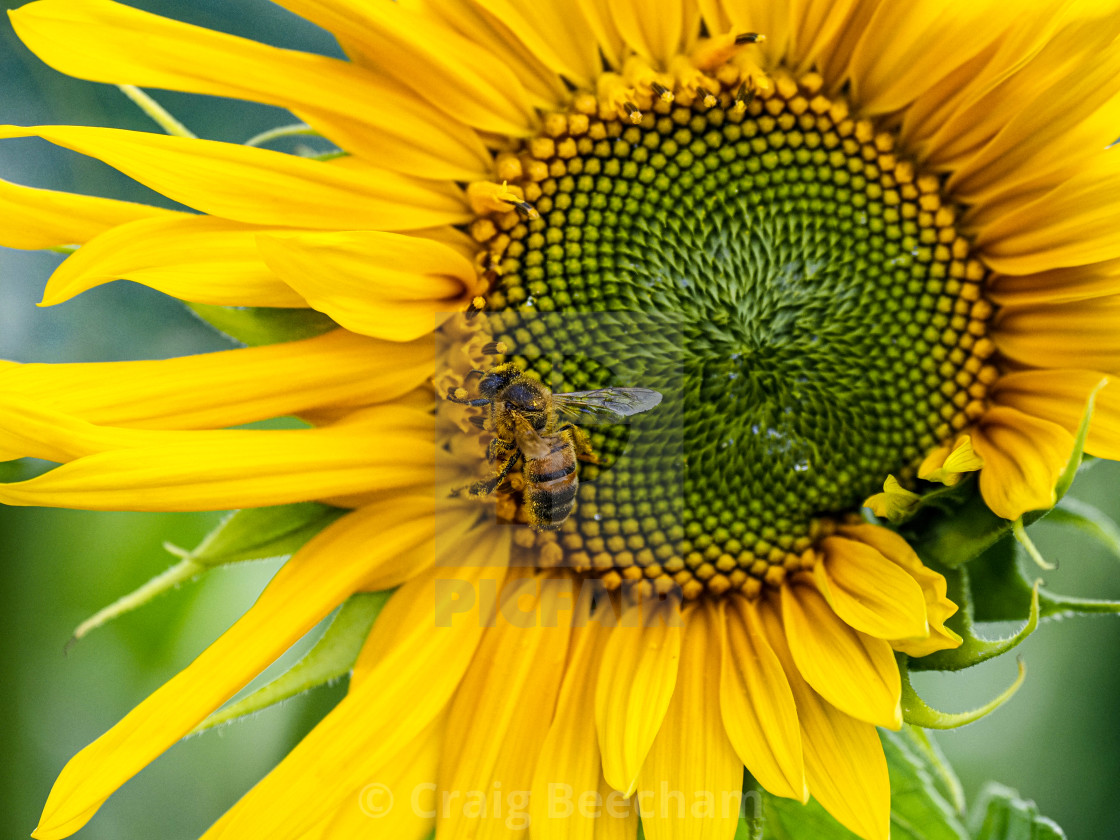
pixel 550 485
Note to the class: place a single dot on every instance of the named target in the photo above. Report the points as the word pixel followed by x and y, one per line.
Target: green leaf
pixel 331 658
pixel 255 325
pixel 1000 814
pixel 1092 522
pixel 261 533
pixel 920 808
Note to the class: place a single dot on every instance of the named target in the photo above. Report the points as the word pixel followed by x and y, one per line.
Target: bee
pixel 525 419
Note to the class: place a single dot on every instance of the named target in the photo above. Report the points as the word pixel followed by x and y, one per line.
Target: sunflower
pixel 848 242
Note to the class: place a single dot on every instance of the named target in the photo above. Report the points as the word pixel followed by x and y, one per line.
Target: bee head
pixel 496 380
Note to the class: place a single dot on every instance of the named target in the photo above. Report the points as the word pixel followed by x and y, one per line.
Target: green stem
pixel 295 130
pixel 156 111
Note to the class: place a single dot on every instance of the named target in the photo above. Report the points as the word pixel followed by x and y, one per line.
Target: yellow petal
pixel 1080 334
pixel 35 218
pixel 695 777
pixel 635 686
pixel 934 588
pixel 380 284
pixel 228 388
pixel 217 470
pixel 319 576
pixel 892 63
pixel 1023 458
pixel 757 704
pixel 196 258
pixel 1060 396
pixel 365 735
pixel 1060 285
pixel 657 29
pixel 456 75
pixel 262 187
pixel 556 33
pixel 543 86
pixel 1066 226
pixel 399 800
pixel 1065 104
pixel 597 13
pixel 844 761
pixel 107 42
pixel 868 591
pixel 569 765
pixel 515 678
pixel 851 670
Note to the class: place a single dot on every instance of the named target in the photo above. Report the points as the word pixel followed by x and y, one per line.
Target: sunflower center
pixel 798 293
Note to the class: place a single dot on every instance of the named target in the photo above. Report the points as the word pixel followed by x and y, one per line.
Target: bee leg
pixel 488 485
pixel 455 397
pixel 496 446
pixel 582 443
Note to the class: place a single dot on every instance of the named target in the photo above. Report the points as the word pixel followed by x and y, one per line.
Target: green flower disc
pixel 796 291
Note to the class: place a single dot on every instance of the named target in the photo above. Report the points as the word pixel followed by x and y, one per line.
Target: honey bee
pixel 525 418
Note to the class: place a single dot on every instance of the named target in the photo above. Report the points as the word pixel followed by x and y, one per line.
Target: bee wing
pixel 529 441
pixel 607 405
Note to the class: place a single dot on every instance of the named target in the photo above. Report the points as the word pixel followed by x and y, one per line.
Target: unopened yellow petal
pixel 456 75
pixel 868 591
pixel 147 470
pixel 1079 334
pixel 196 258
pixel 894 503
pixel 262 187
pixel 636 681
pixel 1060 396
pixel 844 761
pixel 389 707
pixel 757 704
pixel 379 284
pixel 515 678
pixel 1023 458
pixel 948 465
pixel 569 765
pixel 103 41
pixel 694 775
pixel 35 218
pixel 934 588
pixel 318 578
pixel 230 387
pixel 851 670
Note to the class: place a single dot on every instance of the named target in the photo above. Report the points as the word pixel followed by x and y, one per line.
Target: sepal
pixel 331 658
pixel 253 534
pixel 257 325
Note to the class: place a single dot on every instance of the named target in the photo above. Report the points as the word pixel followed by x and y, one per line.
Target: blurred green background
pixel 1057 741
